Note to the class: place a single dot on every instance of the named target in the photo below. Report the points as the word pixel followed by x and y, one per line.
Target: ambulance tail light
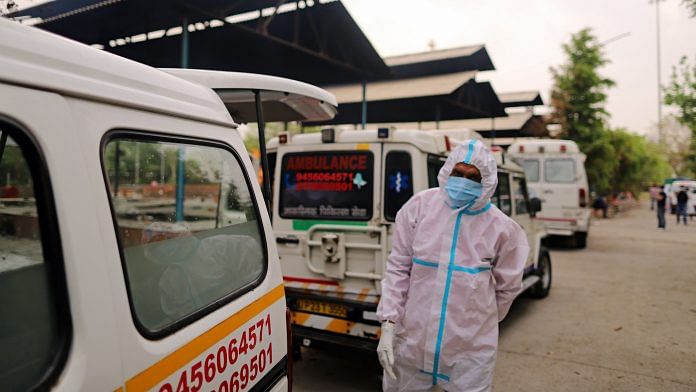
pixel 448 144
pixel 289 356
pixel 521 149
pixel 563 148
pixel 283 138
pixel 582 197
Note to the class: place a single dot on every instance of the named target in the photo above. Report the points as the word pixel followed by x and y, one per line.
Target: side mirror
pixel 534 205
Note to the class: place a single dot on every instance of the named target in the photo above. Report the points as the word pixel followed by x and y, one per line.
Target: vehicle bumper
pixel 360 329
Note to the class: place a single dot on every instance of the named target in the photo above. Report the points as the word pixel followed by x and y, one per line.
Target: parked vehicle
pixel 555 170
pixel 336 196
pixel 137 251
pixel 690 187
pixel 667 188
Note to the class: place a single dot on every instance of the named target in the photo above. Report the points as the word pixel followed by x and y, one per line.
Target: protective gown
pixel 451 277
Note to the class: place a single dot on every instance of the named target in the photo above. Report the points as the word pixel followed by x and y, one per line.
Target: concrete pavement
pixel 620 317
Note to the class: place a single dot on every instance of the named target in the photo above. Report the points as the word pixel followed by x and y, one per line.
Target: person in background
pixel 682 202
pixel 654 193
pixel 600 204
pixel 661 205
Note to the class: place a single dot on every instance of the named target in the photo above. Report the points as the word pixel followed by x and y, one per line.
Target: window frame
pixel 199 314
pixel 385 182
pixel 509 192
pixel 575 170
pixel 51 244
pixel 525 194
pixel 430 161
pixel 371 170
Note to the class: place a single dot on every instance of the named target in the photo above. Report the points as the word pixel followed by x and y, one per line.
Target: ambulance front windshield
pixel 327 185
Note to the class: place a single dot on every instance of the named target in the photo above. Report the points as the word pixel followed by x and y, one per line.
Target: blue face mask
pixel 462 192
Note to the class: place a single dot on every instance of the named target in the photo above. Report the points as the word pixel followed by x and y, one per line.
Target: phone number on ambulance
pixel 324 176
pixel 206 370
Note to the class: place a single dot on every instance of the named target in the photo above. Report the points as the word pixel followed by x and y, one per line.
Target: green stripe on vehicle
pixel 304 225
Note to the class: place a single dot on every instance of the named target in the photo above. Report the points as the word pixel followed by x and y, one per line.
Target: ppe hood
pixel 473 152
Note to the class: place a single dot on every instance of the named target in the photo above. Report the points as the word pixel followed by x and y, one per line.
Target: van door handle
pixel 287 240
pixel 548 191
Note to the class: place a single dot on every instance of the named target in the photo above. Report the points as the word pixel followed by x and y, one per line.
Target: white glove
pixel 385 349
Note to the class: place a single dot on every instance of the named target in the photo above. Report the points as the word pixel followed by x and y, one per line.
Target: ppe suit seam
pixel 443 311
pixel 470 152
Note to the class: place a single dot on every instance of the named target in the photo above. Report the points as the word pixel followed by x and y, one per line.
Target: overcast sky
pixel 524 38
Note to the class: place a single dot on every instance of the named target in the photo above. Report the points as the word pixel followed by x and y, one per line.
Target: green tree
pixel 691 6
pixel 681 92
pixel 674 141
pixel 578 97
pixel 638 162
pixel 617 160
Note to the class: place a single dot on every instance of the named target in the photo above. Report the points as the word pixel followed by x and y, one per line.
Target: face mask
pixel 462 192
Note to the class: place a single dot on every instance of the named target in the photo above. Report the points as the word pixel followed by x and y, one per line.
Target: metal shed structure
pixel 428 98
pixel 313 41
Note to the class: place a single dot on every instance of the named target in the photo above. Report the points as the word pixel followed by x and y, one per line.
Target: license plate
pixel 322 308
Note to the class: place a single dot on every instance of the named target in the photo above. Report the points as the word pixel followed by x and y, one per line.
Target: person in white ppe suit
pixel 455 267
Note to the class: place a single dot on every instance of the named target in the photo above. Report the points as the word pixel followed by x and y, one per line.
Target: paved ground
pixel 621 316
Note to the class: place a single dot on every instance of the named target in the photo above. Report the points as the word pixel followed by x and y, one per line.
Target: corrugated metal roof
pixel 427 86
pixel 512 121
pixel 433 55
pixel 520 98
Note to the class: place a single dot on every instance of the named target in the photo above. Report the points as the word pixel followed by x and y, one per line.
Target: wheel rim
pixel 545 273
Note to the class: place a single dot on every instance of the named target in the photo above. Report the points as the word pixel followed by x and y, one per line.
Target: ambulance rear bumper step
pixel 299 332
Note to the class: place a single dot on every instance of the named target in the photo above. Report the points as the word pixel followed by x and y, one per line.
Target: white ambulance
pixel 336 195
pixel 555 171
pixel 136 252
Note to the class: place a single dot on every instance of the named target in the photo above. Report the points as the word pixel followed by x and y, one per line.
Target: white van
pixel 136 249
pixel 690 187
pixel 336 195
pixel 555 171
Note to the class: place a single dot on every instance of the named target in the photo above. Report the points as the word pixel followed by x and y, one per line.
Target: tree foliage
pixel 691 6
pixel 681 92
pixel 617 160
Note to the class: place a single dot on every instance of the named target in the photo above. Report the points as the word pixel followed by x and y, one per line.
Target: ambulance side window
pixel 503 193
pixel 188 227
pixel 435 163
pixel 34 311
pixel 398 182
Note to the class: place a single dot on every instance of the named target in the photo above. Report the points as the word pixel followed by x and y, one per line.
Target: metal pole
pixel 659 76
pixel 180 181
pixel 262 146
pixel 117 171
pixel 184 43
pixel 180 169
pixel 493 130
pixel 136 167
pixel 364 104
pixel 437 117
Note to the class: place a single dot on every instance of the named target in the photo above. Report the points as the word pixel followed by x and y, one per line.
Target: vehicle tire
pixel 581 239
pixel 543 271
